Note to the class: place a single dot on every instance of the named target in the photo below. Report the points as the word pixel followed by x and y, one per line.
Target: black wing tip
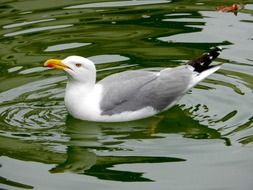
pixel 202 63
pixel 217 49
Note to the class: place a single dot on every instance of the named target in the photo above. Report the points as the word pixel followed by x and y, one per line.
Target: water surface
pixel 204 142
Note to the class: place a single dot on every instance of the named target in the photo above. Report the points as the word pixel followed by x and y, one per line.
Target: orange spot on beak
pixel 55 63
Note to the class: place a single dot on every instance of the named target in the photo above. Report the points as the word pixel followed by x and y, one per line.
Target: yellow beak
pixel 55 63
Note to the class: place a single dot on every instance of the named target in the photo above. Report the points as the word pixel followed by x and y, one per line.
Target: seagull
pixel 129 95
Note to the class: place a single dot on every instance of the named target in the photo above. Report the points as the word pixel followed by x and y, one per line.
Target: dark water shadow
pixel 13 184
pixel 91 146
pixel 82 159
pixel 181 122
pixel 85 140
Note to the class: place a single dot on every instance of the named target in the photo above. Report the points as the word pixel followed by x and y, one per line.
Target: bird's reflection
pixel 87 139
pixel 81 156
pixel 96 148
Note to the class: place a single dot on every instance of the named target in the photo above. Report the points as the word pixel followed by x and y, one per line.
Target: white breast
pixel 83 102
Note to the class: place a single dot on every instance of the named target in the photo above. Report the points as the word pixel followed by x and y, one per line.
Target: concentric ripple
pixel 32 107
pixel 30 115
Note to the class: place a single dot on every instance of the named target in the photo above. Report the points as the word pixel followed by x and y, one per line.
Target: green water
pixel 203 143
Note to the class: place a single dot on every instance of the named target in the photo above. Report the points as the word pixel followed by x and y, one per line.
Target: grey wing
pixel 119 90
pixel 134 90
pixel 127 76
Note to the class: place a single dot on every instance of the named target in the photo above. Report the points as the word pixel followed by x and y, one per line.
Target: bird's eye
pixel 78 64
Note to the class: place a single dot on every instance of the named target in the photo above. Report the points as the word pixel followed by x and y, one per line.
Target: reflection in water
pixel 14 183
pixel 30 151
pixel 94 148
pixel 36 30
pixel 119 36
pixel 117 4
pixel 84 142
pixel 82 161
pixel 83 155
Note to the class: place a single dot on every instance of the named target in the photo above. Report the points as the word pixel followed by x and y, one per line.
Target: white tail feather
pixel 204 74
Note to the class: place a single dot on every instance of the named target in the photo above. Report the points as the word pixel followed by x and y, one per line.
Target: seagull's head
pixel 78 68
